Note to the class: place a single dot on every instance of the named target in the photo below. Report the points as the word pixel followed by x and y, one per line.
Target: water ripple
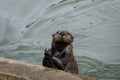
pixel 95 68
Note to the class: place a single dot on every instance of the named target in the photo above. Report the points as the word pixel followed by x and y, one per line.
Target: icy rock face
pixel 14 70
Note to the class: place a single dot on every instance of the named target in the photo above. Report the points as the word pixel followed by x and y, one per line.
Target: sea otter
pixel 60 56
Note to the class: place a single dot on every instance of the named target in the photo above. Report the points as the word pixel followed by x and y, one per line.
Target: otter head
pixel 62 36
pixel 61 39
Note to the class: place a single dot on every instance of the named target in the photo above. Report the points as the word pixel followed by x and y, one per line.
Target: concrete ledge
pixel 4 76
pixel 16 70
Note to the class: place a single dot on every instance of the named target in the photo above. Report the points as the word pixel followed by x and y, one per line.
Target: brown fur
pixel 61 53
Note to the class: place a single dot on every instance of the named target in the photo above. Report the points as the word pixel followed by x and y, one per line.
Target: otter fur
pixel 60 56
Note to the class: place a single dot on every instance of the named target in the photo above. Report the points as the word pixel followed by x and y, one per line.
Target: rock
pixel 16 70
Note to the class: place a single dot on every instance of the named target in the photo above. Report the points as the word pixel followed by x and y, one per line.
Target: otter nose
pixel 62 33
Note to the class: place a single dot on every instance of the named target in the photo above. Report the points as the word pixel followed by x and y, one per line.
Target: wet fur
pixel 60 56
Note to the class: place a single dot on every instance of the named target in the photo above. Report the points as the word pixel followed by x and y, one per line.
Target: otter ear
pixel 72 38
pixel 53 34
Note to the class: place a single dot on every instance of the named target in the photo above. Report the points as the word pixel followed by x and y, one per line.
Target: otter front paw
pixel 58 62
pixel 47 53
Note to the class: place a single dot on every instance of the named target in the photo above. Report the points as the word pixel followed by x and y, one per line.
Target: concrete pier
pixel 16 70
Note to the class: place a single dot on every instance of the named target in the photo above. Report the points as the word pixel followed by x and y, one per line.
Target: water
pixel 26 27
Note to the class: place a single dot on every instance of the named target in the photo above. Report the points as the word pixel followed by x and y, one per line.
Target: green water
pixel 26 27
